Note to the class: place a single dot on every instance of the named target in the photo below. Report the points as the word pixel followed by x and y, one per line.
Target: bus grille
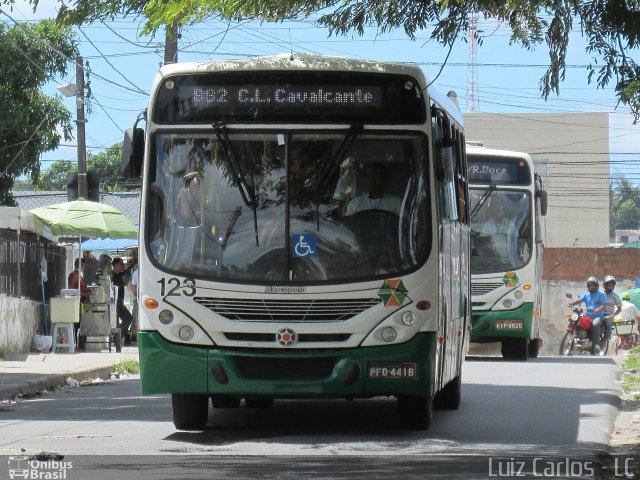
pixel 336 310
pixel 302 337
pixel 484 288
pixel 263 368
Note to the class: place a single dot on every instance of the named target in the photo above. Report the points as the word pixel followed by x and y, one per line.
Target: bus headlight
pixel 165 317
pixel 389 334
pixel 507 303
pixel 409 318
pixel 185 333
pixel 518 294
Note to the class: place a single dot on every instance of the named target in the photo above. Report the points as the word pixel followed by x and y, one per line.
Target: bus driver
pixel 375 198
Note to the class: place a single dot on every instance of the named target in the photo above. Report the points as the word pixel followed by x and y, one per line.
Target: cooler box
pixel 625 327
pixel 64 310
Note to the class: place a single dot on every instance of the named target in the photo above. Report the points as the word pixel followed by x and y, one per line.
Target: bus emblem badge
pixel 286 337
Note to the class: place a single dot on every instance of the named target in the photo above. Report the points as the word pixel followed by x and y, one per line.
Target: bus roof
pixel 476 150
pixel 313 62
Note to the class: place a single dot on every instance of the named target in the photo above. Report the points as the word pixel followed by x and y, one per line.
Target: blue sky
pixel 123 66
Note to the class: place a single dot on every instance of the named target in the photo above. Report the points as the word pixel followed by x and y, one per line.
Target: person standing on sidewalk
pixel 125 317
pixel 612 308
pixel 133 289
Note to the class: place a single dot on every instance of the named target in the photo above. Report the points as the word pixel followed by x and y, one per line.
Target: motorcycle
pixel 577 339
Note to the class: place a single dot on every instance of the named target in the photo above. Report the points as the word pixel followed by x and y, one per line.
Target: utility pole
pixel 171 43
pixel 83 190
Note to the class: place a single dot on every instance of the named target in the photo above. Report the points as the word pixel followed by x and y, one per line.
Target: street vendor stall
pixel 98 322
pixel 91 220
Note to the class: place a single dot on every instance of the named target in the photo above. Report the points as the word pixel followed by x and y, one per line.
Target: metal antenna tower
pixel 473 100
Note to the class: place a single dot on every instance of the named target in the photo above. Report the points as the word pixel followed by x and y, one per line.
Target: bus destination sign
pixel 292 96
pixel 327 97
pixel 496 171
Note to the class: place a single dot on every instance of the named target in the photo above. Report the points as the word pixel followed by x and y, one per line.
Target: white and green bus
pixel 274 263
pixel 507 202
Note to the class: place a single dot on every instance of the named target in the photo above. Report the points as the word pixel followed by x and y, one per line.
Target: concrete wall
pixel 19 320
pixel 571 153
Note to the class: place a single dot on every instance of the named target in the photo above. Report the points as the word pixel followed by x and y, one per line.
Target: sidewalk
pixel 34 372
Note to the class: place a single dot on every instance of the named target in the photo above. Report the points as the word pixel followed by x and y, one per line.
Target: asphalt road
pixel 557 410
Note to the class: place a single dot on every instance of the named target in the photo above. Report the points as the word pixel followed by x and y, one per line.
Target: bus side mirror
pixel 543 202
pixel 132 153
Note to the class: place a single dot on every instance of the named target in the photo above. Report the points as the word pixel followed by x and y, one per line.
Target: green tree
pixel 105 164
pixel 30 121
pixel 624 205
pixel 55 177
pixel 612 27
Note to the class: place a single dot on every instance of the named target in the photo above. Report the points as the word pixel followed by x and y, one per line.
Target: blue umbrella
pixel 109 243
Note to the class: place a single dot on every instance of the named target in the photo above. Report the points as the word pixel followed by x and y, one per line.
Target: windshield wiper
pixel 483 199
pixel 239 178
pixel 343 149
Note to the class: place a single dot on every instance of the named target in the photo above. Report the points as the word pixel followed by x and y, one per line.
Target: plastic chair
pixel 63 337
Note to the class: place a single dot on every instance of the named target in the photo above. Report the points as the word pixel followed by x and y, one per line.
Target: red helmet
pixel 585 322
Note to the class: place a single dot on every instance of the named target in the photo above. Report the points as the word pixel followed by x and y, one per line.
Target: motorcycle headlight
pixel 574 316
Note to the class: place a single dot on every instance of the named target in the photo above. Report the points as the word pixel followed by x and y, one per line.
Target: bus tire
pixel 515 349
pixel 258 402
pixel 534 348
pixel 449 397
pixel 567 344
pixel 415 413
pixel 225 401
pixel 190 410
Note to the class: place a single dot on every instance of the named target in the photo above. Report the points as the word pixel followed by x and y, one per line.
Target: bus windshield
pixel 501 230
pixel 288 208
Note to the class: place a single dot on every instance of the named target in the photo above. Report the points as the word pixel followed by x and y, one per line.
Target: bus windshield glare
pixel 288 208
pixel 501 230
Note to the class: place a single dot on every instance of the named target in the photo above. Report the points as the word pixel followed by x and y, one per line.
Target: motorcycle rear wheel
pixel 567 344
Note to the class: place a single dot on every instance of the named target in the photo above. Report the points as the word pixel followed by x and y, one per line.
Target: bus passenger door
pixel 449 303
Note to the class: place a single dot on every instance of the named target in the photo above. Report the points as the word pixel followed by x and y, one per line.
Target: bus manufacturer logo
pixel 393 293
pixel 510 280
pixel 286 337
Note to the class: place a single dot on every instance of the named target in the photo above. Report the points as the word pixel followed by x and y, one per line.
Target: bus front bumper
pixel 493 326
pixel 166 367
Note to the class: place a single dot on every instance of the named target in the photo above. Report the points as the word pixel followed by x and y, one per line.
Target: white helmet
pixel 593 280
pixel 609 278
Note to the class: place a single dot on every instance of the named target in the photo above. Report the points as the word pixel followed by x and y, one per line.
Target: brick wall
pixel 577 264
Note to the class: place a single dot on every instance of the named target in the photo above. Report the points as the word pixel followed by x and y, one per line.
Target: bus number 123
pixel 171 285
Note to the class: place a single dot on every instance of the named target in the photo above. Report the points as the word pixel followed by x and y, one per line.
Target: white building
pixel 571 153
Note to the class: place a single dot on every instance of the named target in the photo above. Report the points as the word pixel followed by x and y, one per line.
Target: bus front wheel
pixel 449 397
pixel 190 410
pixel 534 347
pixel 515 349
pixel 415 413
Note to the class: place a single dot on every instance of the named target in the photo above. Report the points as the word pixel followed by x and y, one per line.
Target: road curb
pixel 51 381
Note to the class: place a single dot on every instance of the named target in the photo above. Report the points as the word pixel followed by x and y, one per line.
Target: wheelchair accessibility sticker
pixel 303 245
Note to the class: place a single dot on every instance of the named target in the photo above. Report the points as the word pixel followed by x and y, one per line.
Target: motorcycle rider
pixel 595 302
pixel 612 308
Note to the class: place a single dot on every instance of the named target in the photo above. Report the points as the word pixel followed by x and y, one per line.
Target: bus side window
pixel 444 170
pixel 462 188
